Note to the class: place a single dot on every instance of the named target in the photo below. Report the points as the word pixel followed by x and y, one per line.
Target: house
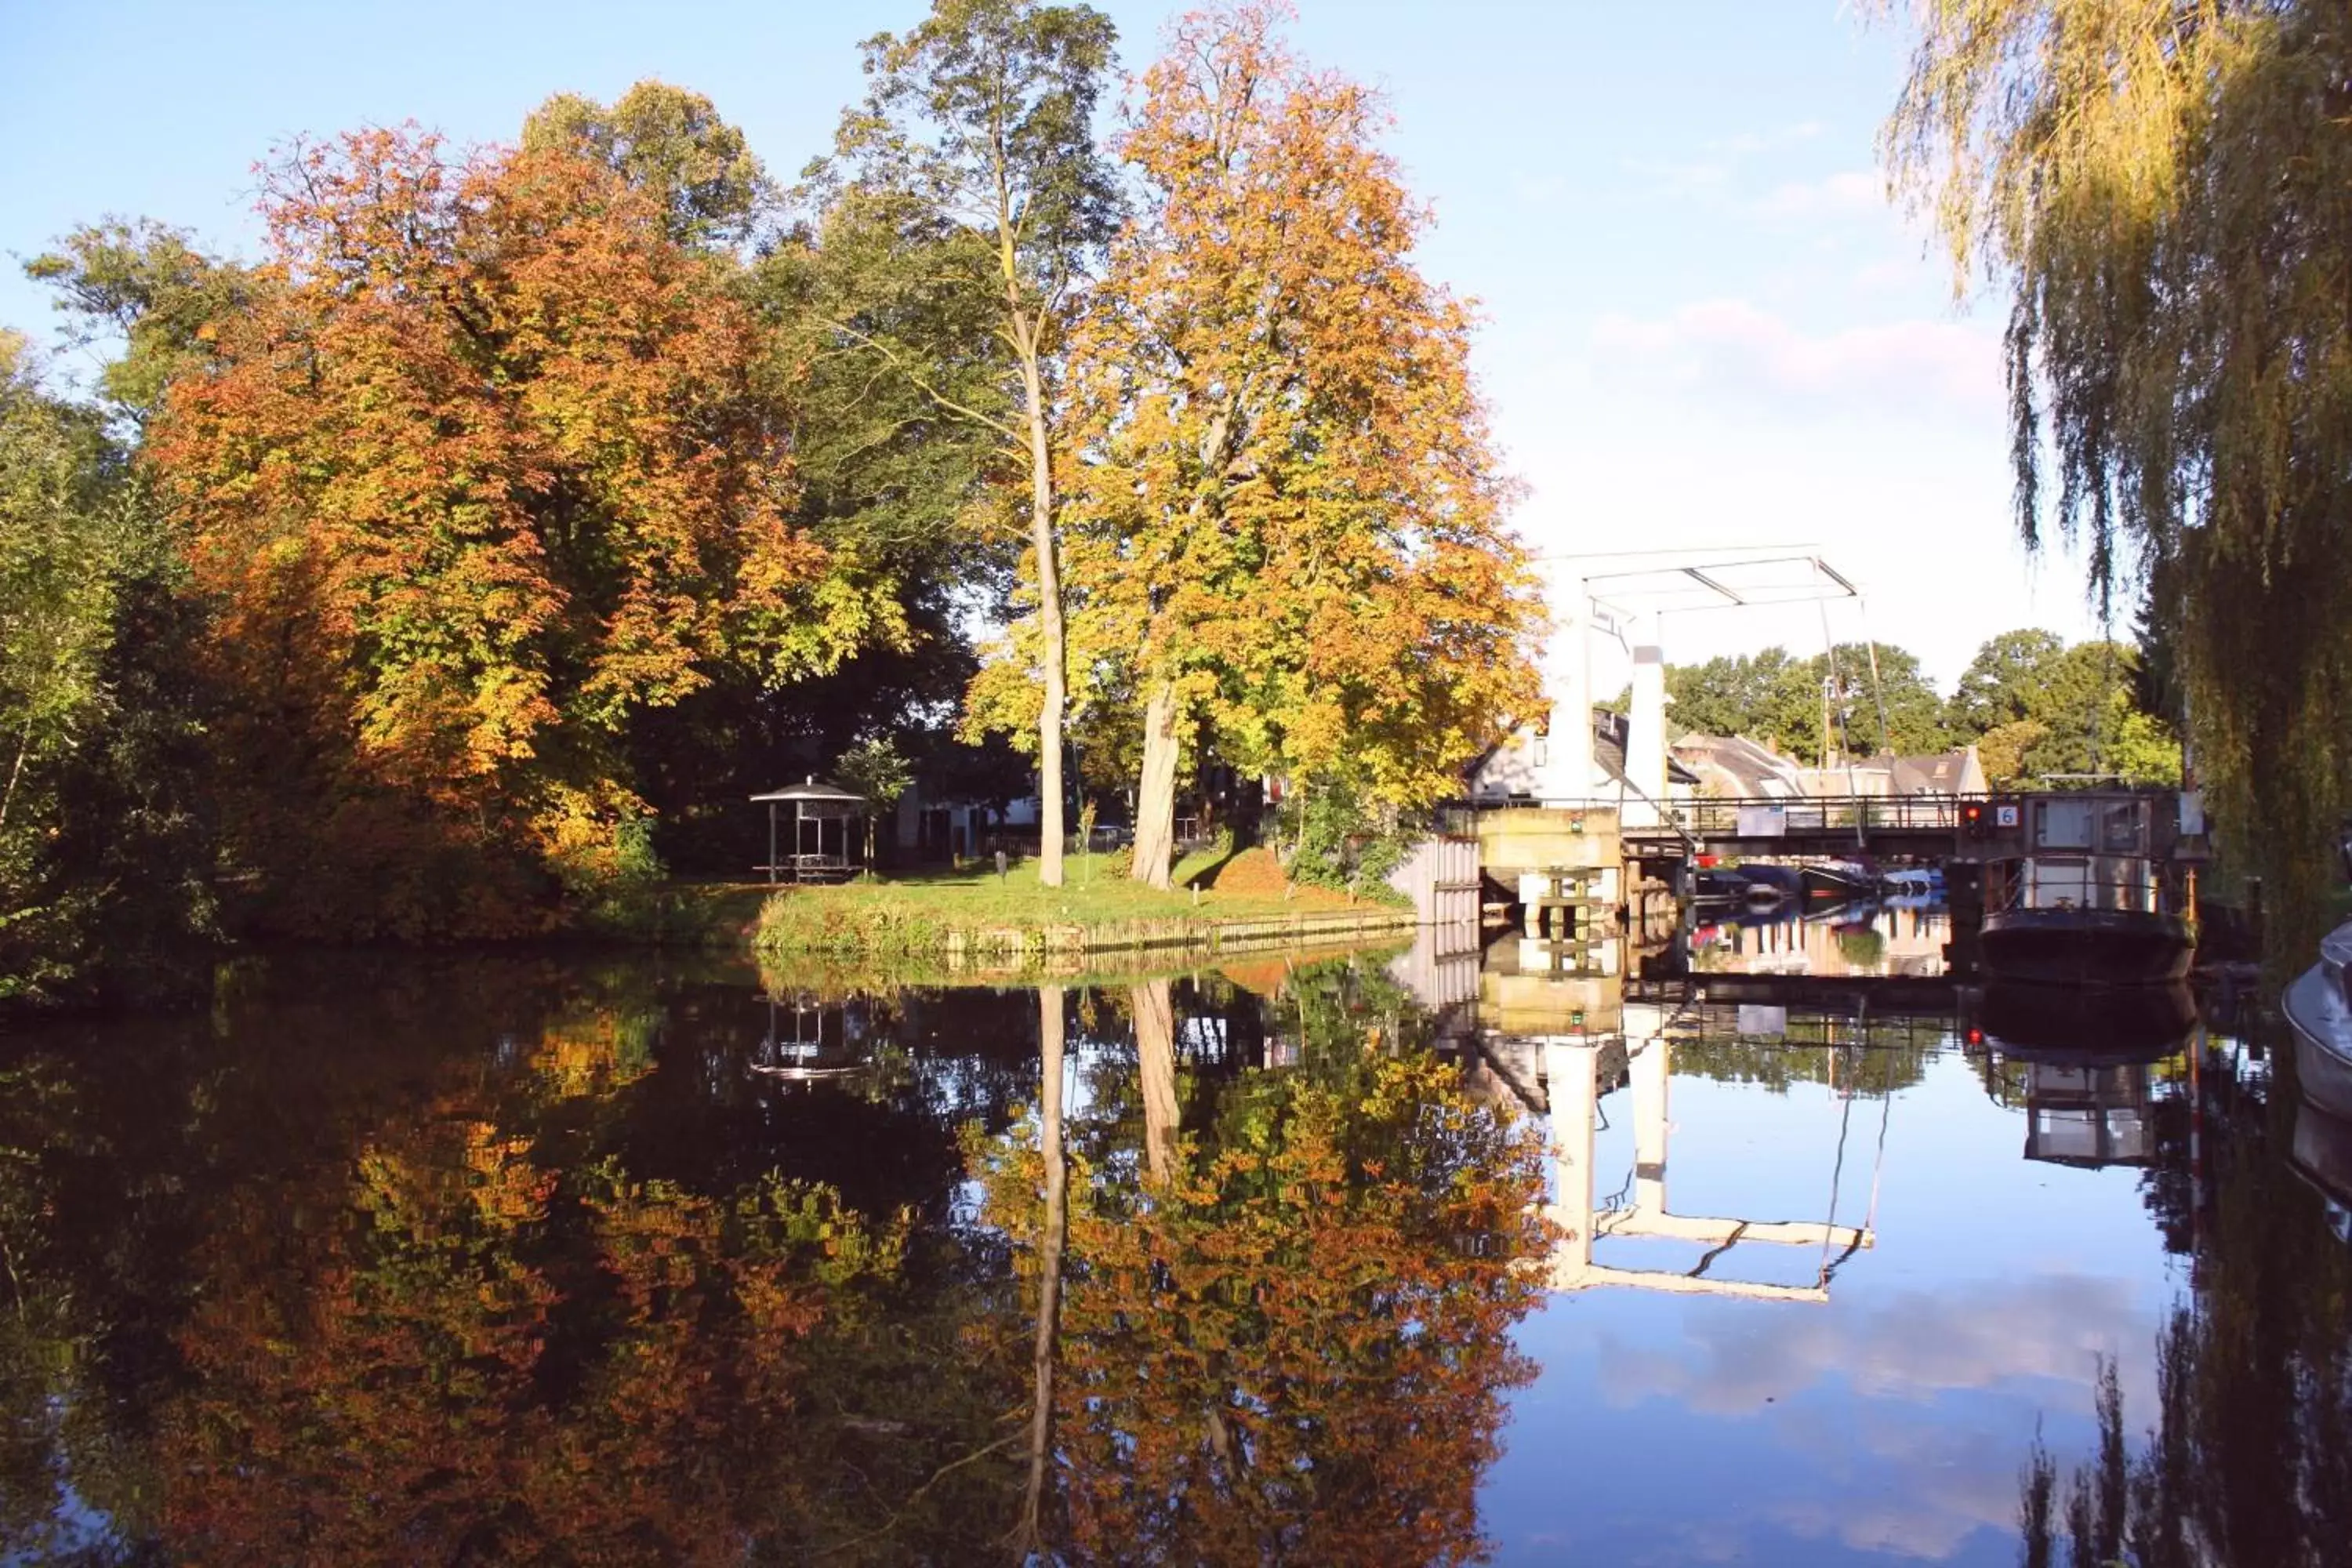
pixel 1942 773
pixel 1946 772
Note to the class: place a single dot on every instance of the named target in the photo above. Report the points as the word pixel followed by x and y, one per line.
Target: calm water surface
pixel 574 1259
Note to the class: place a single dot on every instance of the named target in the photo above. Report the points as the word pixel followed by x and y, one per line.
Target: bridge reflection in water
pixel 1563 1026
pixel 1573 1070
pixel 1561 1034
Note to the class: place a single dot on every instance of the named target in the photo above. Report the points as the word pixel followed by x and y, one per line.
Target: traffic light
pixel 1972 819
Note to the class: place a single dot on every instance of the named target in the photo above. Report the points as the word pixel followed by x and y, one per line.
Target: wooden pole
pixel 771 841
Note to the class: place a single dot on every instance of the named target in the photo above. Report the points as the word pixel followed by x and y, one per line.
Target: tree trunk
pixel 1030 1533
pixel 1155 1047
pixel 1054 652
pixel 1155 795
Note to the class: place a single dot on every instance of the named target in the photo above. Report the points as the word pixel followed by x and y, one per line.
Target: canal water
pixel 1368 1260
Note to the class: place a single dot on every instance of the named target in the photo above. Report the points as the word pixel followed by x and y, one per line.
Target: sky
pixel 1705 326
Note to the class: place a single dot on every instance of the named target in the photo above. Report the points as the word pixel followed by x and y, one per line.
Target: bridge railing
pixel 1774 818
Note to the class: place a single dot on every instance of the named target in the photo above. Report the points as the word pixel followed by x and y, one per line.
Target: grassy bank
pixel 682 915
pixel 971 915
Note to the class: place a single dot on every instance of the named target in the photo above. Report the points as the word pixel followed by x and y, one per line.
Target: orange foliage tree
pixel 1285 514
pixel 491 465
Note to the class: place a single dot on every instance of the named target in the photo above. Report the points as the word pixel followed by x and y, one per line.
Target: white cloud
pixel 1538 190
pixel 1915 1347
pixel 1731 347
pixel 1854 191
pixel 1704 177
pixel 1746 143
pixel 1912 1480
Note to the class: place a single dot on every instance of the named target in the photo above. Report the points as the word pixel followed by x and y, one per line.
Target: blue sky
pixel 1703 325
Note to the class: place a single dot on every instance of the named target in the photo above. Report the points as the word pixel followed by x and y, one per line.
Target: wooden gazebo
pixel 815 806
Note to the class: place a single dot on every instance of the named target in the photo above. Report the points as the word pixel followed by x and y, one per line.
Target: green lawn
pixel 921 914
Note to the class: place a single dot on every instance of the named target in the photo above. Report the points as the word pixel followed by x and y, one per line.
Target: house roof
pixel 1609 732
pixel 1751 763
pixel 1941 773
pixel 821 798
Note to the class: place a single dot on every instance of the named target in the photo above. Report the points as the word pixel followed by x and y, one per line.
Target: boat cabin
pixel 2082 852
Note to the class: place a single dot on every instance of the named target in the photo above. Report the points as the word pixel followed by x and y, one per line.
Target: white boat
pixel 2319 1007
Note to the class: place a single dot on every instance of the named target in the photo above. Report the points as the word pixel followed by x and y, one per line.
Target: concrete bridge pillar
pixel 1645 726
pixel 1567 774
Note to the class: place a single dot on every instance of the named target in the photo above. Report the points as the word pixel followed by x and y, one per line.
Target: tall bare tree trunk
pixel 1155 1048
pixel 1056 652
pixel 1030 1537
pixel 1155 794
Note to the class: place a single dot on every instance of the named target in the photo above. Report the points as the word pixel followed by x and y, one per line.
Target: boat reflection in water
pixel 2323 1156
pixel 2083 1064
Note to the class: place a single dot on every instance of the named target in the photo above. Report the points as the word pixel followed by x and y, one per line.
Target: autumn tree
pixel 491 468
pixel 978 126
pixel 2158 192
pixel 1287 517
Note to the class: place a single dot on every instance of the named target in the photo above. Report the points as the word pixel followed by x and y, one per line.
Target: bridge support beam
pixel 1649 1066
pixel 1567 772
pixel 1645 726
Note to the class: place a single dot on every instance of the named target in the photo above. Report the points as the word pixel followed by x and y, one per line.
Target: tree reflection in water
pixel 2248 1461
pixel 1286 1336
pixel 520 1261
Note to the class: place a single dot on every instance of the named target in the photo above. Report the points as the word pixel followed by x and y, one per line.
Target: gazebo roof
pixel 811 794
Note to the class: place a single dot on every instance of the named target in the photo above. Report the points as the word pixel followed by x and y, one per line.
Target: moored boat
pixel 2088 902
pixel 1768 884
pixel 2319 1009
pixel 1838 880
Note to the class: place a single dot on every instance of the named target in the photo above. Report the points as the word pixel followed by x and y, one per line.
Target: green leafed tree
pixel 101 865
pixel 143 291
pixel 1792 703
pixel 2035 708
pixel 876 769
pixel 669 143
pixel 2000 684
pixel 981 120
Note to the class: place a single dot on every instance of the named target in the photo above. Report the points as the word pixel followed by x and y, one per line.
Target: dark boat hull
pixel 2323 1152
pixel 2086 947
